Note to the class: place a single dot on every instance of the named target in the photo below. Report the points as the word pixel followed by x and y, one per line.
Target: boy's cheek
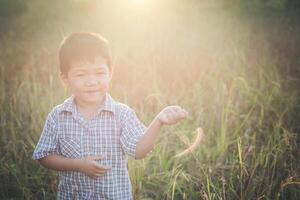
pixel 104 84
pixel 104 81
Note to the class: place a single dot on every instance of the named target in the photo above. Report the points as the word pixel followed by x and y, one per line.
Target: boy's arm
pixel 87 165
pixel 60 163
pixel 46 152
pixel 169 115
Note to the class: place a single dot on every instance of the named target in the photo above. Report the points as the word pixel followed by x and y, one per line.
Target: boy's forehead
pixel 98 62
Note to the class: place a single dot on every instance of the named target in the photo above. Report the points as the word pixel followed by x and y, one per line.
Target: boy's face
pixel 87 81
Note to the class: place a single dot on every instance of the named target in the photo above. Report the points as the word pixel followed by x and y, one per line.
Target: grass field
pixel 236 73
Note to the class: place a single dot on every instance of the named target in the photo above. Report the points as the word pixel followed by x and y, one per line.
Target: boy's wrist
pixel 159 121
pixel 77 163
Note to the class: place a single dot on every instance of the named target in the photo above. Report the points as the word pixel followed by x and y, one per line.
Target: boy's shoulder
pixel 68 107
pixel 65 106
pixel 118 108
pixel 122 107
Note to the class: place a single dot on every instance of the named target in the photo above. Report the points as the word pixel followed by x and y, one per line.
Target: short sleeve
pixel 131 132
pixel 48 142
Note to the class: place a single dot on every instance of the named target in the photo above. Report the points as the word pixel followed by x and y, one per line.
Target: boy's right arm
pixel 46 152
pixel 87 165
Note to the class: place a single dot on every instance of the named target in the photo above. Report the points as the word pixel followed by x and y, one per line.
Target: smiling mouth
pixel 92 91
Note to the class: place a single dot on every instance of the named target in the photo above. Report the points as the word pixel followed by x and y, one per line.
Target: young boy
pixel 87 137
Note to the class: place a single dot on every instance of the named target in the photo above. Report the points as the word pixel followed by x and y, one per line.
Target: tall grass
pixel 247 153
pixel 238 93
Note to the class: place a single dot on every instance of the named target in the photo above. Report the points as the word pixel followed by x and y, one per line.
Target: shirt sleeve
pixel 48 142
pixel 131 132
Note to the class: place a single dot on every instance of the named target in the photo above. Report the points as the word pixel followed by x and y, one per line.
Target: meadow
pixel 235 69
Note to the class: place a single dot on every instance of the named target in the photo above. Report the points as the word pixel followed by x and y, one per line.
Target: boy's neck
pixel 89 110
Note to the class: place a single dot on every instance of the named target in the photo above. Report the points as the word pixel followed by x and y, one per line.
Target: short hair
pixel 83 46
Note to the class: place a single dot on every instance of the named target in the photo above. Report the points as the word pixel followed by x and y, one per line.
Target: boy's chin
pixel 93 98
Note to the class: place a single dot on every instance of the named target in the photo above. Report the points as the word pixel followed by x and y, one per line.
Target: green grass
pixel 243 94
pixel 247 153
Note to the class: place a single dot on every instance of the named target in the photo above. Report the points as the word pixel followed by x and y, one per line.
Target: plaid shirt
pixel 113 132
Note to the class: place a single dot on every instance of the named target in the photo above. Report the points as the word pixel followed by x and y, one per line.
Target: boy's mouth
pixel 92 91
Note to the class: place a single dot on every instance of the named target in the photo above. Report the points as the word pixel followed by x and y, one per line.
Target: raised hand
pixel 171 115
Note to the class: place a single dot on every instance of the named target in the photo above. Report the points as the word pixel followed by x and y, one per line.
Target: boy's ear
pixel 110 75
pixel 63 79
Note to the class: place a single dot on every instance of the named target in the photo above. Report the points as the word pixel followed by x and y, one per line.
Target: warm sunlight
pixel 149 99
pixel 140 2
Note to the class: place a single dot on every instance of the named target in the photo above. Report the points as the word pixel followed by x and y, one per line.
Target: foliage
pixel 234 68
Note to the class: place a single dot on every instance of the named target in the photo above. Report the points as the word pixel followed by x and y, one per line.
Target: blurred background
pixel 233 64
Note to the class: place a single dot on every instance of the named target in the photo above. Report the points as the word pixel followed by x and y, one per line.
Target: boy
pixel 87 137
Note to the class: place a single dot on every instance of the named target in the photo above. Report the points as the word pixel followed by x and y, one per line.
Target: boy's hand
pixel 172 115
pixel 91 168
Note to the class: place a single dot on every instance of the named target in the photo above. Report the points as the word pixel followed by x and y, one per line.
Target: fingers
pixel 102 167
pixel 167 116
pixel 96 175
pixel 176 112
pixel 99 170
pixel 172 114
pixel 91 166
pixel 182 113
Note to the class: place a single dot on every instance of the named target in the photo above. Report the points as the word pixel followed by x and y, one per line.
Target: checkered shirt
pixel 113 133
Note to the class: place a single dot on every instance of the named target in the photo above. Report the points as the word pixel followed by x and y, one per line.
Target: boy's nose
pixel 92 81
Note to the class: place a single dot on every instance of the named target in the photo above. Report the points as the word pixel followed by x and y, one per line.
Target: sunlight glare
pixel 139 2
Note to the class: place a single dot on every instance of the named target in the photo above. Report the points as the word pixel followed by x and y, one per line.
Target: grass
pixel 242 95
pixel 244 155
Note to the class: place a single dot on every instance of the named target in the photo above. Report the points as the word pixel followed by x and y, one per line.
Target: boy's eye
pixel 79 74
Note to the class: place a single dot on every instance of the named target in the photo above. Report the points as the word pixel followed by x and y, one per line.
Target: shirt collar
pixel 108 105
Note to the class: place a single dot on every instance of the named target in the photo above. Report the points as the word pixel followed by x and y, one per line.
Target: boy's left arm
pixel 168 116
